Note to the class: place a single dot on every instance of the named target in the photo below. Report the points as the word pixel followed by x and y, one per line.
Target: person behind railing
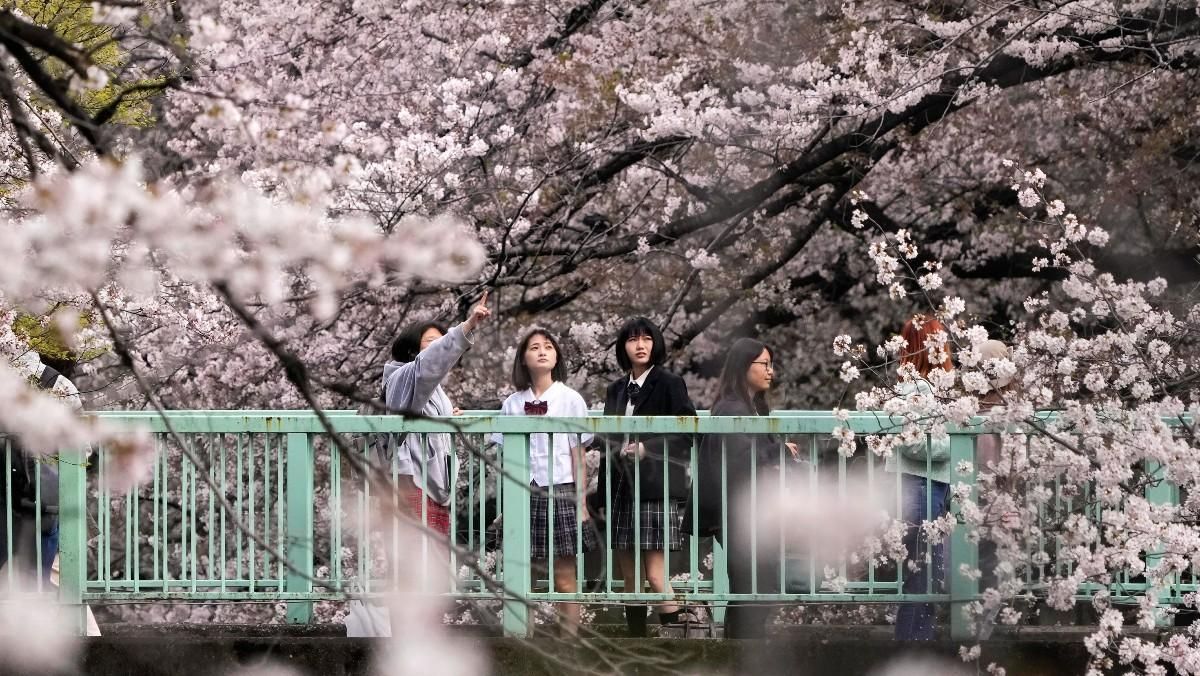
pixel 651 524
pixel 412 383
pixel 924 482
pixel 557 464
pixel 745 380
pixel 24 484
pixel 992 354
pixel 422 356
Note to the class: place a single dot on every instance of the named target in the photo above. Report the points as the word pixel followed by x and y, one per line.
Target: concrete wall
pixel 844 651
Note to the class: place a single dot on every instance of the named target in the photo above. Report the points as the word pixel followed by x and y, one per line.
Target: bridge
pixel 255 506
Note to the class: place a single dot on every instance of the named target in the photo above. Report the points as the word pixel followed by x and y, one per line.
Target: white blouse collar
pixel 641 380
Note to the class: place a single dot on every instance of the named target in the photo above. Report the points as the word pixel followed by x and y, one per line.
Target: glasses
pixel 765 364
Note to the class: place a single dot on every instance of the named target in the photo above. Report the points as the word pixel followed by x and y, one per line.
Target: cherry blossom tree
pixel 1091 493
pixel 708 151
pixel 249 201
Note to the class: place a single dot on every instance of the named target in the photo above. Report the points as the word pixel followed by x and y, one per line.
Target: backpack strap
pixel 48 378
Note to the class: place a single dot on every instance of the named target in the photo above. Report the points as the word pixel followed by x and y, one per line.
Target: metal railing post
pixel 720 582
pixel 516 543
pixel 1159 492
pixel 72 534
pixel 299 526
pixel 963 588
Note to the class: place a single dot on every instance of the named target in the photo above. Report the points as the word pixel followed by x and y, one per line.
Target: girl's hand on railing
pixel 634 450
pixel 793 449
pixel 456 411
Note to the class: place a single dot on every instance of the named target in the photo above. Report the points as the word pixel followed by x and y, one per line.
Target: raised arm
pixel 66 390
pixel 423 375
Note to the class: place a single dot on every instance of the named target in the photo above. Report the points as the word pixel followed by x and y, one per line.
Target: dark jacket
pixel 738 449
pixel 663 393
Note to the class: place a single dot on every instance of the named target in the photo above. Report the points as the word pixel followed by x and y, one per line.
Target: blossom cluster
pixel 1096 428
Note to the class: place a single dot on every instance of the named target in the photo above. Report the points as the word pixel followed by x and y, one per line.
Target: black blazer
pixel 738 449
pixel 663 393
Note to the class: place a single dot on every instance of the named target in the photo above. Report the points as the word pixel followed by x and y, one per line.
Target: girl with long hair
pixel 751 551
pixel 556 464
pixel 924 470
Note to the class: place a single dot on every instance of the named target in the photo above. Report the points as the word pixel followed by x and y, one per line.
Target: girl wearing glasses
pixel 745 380
pixel 648 523
pixel 556 465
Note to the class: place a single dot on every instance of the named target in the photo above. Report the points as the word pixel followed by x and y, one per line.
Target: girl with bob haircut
pixel 557 470
pixel 924 470
pixel 652 524
pixel 409 344
pixel 422 357
pixel 745 380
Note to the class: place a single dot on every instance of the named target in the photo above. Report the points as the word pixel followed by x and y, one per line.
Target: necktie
pixel 632 392
pixel 536 408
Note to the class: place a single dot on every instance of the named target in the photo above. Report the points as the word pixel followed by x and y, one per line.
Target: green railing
pixel 261 506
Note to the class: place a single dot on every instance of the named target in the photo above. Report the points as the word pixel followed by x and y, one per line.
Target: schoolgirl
pixel 555 462
pixel 651 524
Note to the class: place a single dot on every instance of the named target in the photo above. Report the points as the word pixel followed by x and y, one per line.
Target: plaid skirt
pixel 660 528
pixel 565 523
pixel 438 515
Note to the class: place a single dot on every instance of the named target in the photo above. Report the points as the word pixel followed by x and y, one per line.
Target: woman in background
pixel 924 470
pixel 750 459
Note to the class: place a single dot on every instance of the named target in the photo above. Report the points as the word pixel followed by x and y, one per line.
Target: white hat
pixel 992 350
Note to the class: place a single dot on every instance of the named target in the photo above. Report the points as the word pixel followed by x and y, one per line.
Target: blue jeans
pixel 922 500
pixel 49 541
pixel 49 550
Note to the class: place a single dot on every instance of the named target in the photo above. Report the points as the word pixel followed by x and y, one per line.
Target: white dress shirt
pixel 560 401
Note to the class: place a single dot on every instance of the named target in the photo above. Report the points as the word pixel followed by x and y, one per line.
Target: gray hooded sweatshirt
pixel 416 387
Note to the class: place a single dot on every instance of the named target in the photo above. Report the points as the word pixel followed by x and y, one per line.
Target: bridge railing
pixel 261 506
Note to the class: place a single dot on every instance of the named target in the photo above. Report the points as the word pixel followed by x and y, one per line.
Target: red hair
pixel 915 332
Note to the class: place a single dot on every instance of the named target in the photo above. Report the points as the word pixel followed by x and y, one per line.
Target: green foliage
pixel 72 20
pixel 44 337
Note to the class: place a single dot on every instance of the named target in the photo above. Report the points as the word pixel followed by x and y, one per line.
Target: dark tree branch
pixel 577 19
pixel 106 113
pixel 547 302
pixel 800 238
pixel 20 121
pixel 43 39
pixel 1176 266
pixel 55 91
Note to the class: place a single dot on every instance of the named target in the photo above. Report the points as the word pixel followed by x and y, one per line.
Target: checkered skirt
pixel 438 515
pixel 565 523
pixel 660 528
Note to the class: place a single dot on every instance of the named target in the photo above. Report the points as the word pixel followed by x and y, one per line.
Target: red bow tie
pixel 536 408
